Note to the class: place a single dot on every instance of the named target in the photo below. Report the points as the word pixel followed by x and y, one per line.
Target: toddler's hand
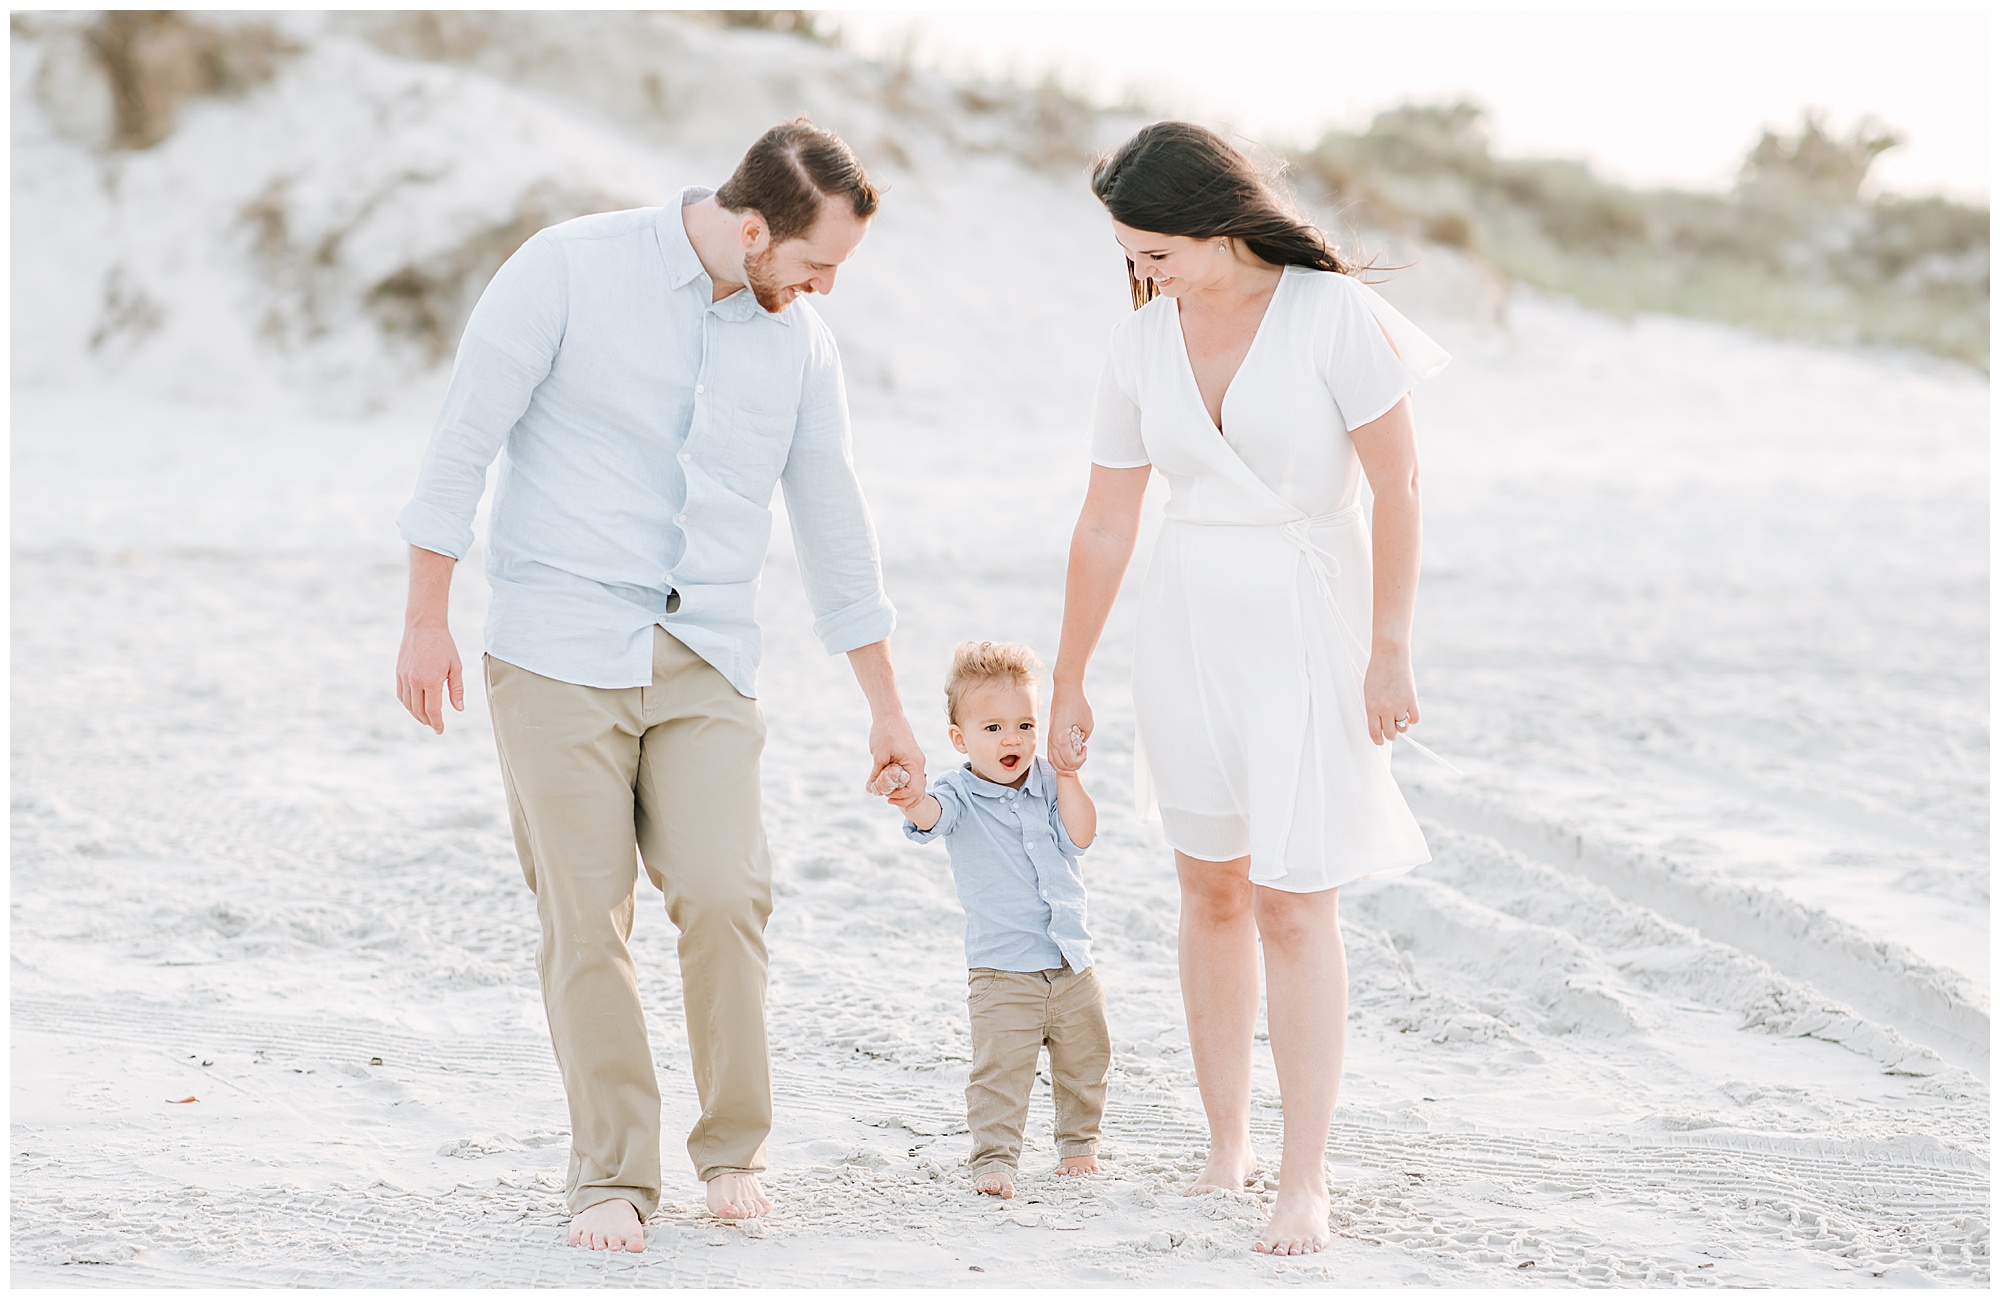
pixel 892 779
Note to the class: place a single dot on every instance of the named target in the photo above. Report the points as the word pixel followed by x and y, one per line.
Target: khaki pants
pixel 1014 1015
pixel 671 769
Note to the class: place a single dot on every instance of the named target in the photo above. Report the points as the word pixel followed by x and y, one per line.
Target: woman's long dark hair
pixel 1176 178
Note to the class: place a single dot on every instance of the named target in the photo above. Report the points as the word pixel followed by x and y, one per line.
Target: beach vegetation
pixel 155 60
pixel 1798 246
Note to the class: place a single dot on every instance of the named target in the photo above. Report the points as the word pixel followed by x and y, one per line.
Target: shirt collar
pixel 1034 786
pixel 684 265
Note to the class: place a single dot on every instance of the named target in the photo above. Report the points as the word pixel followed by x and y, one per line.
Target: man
pixel 653 377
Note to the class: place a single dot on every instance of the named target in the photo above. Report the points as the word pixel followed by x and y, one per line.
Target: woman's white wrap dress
pixel 1255 616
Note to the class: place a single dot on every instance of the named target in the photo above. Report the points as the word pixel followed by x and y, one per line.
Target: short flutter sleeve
pixel 1114 421
pixel 1369 352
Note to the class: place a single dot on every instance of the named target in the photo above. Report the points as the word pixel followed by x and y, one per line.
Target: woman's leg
pixel 1218 960
pixel 1305 975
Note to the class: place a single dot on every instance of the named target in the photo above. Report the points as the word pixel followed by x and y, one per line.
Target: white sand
pixel 1695 992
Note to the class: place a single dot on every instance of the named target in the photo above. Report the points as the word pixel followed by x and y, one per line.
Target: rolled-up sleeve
pixel 951 810
pixel 1064 844
pixel 839 559
pixel 510 342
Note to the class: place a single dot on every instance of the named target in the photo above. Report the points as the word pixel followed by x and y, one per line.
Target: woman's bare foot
pixel 609 1224
pixel 1298 1223
pixel 1226 1170
pixel 737 1196
pixel 995 1179
pixel 1077 1166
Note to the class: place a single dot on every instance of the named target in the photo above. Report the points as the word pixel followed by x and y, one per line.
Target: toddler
pixel 1014 827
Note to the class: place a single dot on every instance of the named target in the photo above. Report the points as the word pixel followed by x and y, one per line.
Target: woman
pixel 1263 381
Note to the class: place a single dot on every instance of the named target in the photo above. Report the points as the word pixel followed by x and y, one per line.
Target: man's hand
pixel 908 796
pixel 427 672
pixel 427 667
pixel 891 742
pixel 892 781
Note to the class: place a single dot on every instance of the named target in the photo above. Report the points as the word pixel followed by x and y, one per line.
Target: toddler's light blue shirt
pixel 1015 866
pixel 646 426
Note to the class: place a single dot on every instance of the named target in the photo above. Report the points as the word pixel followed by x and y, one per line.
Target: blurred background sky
pixel 1647 97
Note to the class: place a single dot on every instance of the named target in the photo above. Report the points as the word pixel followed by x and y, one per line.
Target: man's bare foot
pixel 995 1179
pixel 1077 1166
pixel 1224 1171
pixel 609 1224
pixel 736 1197
pixel 1298 1223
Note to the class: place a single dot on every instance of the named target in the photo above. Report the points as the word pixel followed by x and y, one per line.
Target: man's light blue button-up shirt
pixel 1015 866
pixel 645 426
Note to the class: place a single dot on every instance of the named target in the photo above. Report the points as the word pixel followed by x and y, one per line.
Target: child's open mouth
pixel 1011 761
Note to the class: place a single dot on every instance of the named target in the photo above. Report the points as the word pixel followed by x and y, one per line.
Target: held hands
pixel 427 670
pixel 907 796
pixel 897 758
pixel 895 785
pixel 892 780
pixel 1389 692
pixel 1070 725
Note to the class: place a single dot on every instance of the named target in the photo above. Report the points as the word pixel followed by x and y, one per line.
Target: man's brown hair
pixel 791 169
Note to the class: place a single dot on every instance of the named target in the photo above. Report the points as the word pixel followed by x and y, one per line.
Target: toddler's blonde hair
pixel 976 662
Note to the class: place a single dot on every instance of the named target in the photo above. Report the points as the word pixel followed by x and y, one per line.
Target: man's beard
pixel 763 283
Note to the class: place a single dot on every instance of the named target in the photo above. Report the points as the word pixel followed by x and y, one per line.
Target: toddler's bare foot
pixel 609 1224
pixel 994 1179
pixel 1224 1171
pixel 1298 1223
pixel 737 1196
pixel 1077 1166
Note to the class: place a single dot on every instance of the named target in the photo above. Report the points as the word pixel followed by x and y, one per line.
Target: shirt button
pixel 685 457
pixel 680 518
pixel 699 388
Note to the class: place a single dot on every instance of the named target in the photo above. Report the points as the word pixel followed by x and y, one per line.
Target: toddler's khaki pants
pixel 671 769
pixel 1014 1015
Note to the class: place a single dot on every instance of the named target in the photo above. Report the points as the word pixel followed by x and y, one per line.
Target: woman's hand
pixel 1389 692
pixel 1099 550
pixel 1388 450
pixel 1068 708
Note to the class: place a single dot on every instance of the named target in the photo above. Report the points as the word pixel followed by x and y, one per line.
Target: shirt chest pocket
pixel 745 450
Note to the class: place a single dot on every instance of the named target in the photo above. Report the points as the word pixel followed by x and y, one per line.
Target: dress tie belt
pixel 1325 567
pixel 1324 564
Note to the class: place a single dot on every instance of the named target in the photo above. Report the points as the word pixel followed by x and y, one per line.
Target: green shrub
pixel 1796 248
